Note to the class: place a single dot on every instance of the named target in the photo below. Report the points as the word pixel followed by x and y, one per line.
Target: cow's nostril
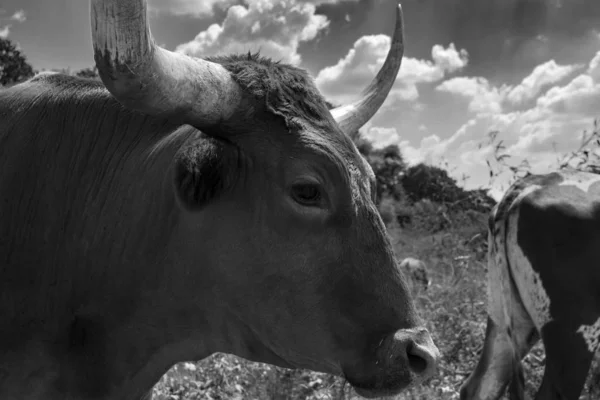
pixel 421 353
pixel 417 363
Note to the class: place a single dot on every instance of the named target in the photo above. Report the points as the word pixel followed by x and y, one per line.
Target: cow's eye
pixel 307 194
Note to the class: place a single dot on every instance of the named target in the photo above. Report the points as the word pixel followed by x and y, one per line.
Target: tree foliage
pixel 14 67
pixel 424 181
pixel 429 182
pixel 388 165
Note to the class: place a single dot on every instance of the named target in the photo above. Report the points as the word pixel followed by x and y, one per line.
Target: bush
pixel 424 181
pixel 388 211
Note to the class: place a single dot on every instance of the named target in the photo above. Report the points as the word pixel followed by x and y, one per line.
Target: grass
pixel 454 249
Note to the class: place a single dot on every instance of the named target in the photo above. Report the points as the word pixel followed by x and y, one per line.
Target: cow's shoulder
pixel 53 88
pixel 59 82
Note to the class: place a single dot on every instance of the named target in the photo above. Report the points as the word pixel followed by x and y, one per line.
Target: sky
pixel 528 69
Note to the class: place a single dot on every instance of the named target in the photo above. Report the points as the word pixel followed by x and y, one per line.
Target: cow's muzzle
pixel 404 359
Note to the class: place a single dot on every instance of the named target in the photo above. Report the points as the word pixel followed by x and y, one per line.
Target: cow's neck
pixel 100 201
pixel 141 207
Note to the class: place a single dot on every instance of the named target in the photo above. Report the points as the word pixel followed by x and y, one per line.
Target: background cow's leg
pixel 493 371
pixel 494 368
pixel 523 341
pixel 524 335
pixel 516 389
pixel 510 332
pixel 567 362
pixel 500 361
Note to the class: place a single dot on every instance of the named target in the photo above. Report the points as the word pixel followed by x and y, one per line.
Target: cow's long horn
pixel 148 78
pixel 353 116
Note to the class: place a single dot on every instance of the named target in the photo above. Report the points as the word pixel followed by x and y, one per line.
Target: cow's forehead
pixel 326 136
pixel 358 171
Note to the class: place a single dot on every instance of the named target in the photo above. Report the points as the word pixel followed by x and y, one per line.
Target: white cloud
pixel 549 127
pixel 381 137
pixel 273 28
pixel 5 31
pixel 343 81
pixel 205 8
pixel 19 16
pixel 594 68
pixel 196 8
pixel 542 76
pixel 581 96
pixel 483 96
pixel 449 59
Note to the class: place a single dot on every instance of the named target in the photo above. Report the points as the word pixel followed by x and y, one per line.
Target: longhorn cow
pixel 187 206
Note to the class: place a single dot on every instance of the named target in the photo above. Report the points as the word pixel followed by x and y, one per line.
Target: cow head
pixel 281 245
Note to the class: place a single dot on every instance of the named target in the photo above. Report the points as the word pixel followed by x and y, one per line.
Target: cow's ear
pixel 205 168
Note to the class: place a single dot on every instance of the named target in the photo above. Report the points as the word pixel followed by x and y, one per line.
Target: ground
pixel 454 248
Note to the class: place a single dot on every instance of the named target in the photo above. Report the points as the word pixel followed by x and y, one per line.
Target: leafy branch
pixel 585 158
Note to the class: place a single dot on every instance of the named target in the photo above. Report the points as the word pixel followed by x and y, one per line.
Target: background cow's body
pixel 543 281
